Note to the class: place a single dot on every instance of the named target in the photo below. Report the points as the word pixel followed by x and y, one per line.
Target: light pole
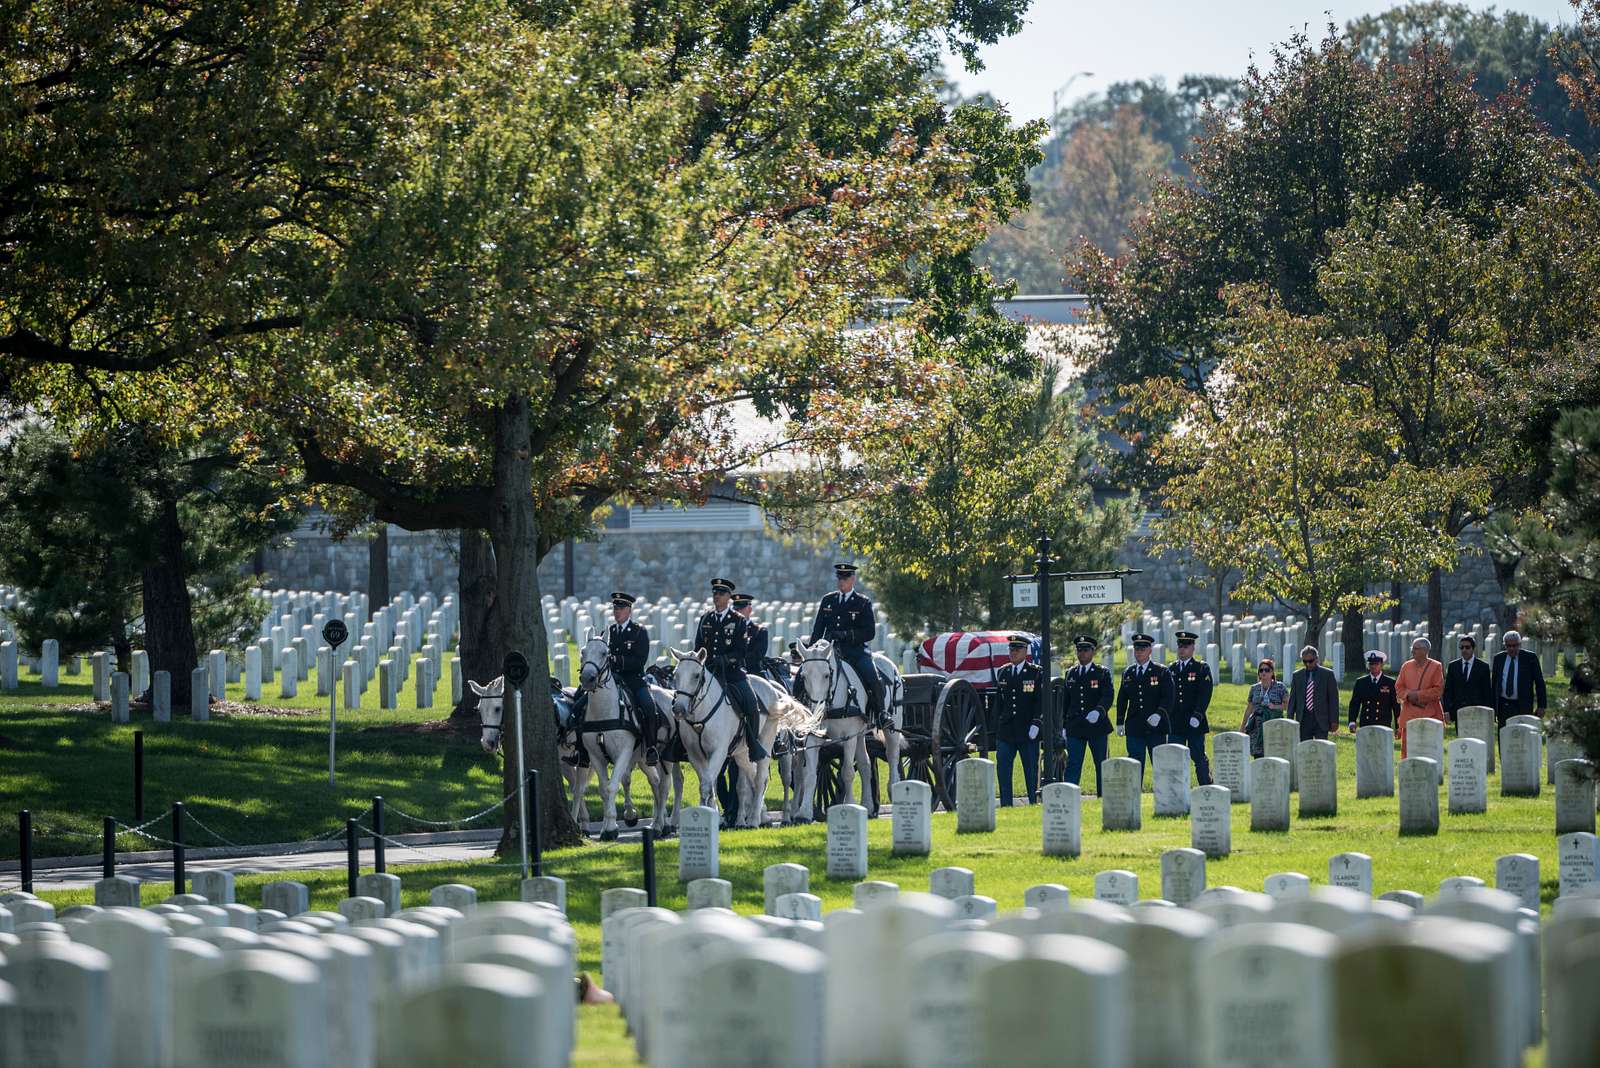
pixel 1056 95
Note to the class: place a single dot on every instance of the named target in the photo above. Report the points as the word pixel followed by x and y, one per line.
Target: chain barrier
pixel 423 853
pixel 391 810
pixel 198 822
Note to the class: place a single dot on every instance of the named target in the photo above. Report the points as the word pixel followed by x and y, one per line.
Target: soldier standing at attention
pixel 1191 687
pixel 1144 704
pixel 1372 698
pixel 1086 718
pixel 1019 717
pixel 721 636
pixel 846 619
pixel 630 655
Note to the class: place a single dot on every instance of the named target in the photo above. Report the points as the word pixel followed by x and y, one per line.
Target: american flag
pixel 972 655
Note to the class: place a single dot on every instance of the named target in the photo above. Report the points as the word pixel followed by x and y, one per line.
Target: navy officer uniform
pixel 1144 703
pixel 1088 691
pixel 721 635
pixel 1191 690
pixel 1372 698
pixel 846 619
pixel 630 655
pixel 1019 717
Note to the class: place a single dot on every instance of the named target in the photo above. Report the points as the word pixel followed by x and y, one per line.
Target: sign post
pixel 334 633
pixel 1079 588
pixel 515 670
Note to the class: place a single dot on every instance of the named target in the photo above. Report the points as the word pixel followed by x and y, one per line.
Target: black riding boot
pixel 652 754
pixel 752 736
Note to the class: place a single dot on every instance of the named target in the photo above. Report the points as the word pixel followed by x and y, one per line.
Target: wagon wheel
pixel 828 761
pixel 957 732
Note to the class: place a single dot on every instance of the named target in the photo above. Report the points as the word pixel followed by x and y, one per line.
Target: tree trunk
pixel 168 622
pixel 479 619
pixel 513 531
pixel 1505 574
pixel 1219 598
pixel 378 569
pixel 1354 655
pixel 1436 610
pixel 1397 594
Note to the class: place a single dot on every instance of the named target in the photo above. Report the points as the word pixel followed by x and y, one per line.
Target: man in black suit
pixel 1314 697
pixel 1086 711
pixel 1518 681
pixel 1467 681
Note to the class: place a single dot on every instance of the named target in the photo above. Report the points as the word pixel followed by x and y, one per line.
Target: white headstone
pixel 1169 779
pixel 1091 995
pixel 1573 963
pixel 1351 871
pixel 1518 874
pixel 252 673
pixel 709 893
pixel 265 1001
pixel 1119 803
pixel 1317 762
pixel 617 898
pixel 50 663
pixel 215 885
pixel 1047 897
pixel 1117 886
pixel 1519 761
pixel 975 907
pixel 480 1014
pixel 1477 721
pixel 544 889
pixel 200 694
pixel 1425 738
pixel 1183 875
pixel 383 886
pixel 1409 898
pixel 1230 764
pixel 912 831
pixel 1267 998
pixel 768 993
pixel 780 879
pixel 975 796
pixel 1419 796
pixel 951 883
pixel 137 945
pixel 946 972
pixel 119 697
pixel 1163 947
pixel 1287 885
pixel 1279 737
pixel 867 963
pixel 1211 820
pixel 1468 789
pixel 1574 796
pixel 289 898
pixel 100 665
pixel 458 896
pixel 847 842
pixel 546 963
pixel 699 849
pixel 1270 779
pixel 119 891
pixel 1578 856
pixel 1061 818
pixel 1558 747
pixel 63 1003
pixel 1374 761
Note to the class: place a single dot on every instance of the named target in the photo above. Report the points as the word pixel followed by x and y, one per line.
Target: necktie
pixel 1311 686
pixel 1511 678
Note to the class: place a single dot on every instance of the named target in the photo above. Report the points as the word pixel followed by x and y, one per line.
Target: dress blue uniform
pixel 846 619
pixel 1018 719
pixel 1191 689
pixel 1086 716
pixel 721 635
pixel 630 655
pixel 1146 696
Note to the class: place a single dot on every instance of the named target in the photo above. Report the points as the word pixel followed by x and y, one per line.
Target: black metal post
pixel 138 776
pixel 1052 721
pixel 108 848
pixel 178 880
pixel 352 855
pixel 648 837
pixel 378 859
pixel 533 830
pixel 25 840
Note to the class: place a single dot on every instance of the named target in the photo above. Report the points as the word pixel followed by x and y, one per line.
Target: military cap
pixel 1018 642
pixel 622 598
pixel 1143 639
pixel 742 599
pixel 842 570
pixel 721 585
pixel 1375 655
pixel 1186 636
pixel 1085 641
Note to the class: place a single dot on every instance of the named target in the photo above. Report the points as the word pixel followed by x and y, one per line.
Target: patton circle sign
pixel 1092 591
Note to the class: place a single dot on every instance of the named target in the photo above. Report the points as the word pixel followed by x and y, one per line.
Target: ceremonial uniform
pixel 1144 704
pixel 1018 720
pixel 1086 713
pixel 630 655
pixel 1372 698
pixel 847 620
pixel 1191 689
pixel 721 634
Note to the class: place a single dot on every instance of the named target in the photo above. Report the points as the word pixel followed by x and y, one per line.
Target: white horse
pixel 708 723
pixel 839 701
pixel 617 746
pixel 491 709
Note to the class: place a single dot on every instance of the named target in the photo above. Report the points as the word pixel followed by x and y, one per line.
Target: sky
pixel 1129 39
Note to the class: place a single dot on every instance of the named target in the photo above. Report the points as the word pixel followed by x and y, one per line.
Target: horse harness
pixel 852 702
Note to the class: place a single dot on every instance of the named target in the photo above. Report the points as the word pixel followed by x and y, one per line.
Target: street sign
pixel 334 632
pixel 1093 591
pixel 515 668
pixel 1024 595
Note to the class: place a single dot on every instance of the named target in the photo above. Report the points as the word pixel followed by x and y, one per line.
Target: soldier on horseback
pixel 846 619
pixel 630 654
pixel 722 635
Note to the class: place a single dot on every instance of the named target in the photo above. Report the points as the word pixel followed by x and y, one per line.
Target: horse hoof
pixel 801 821
pixel 609 836
pixel 631 818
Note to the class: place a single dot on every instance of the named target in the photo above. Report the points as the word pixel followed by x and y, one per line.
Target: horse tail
pixel 792 715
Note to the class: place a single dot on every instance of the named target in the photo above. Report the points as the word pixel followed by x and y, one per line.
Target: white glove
pixel 1121 731
pixel 1153 719
pixel 1033 731
pixel 1093 716
pixel 1194 722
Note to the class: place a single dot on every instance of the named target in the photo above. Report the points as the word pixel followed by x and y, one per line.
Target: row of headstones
pixel 201 980
pixel 1296 975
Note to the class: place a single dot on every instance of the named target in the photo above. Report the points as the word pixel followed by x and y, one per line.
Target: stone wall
pixel 681 563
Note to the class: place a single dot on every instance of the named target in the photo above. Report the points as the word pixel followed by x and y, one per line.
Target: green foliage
pixel 77 532
pixel 964 494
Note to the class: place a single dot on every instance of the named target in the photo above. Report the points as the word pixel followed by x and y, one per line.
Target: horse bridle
pixel 694 699
pixel 830 660
pixel 602 673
